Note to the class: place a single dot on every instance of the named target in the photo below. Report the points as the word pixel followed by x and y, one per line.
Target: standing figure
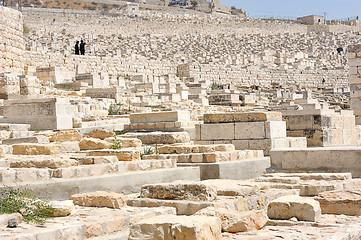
pixel 77 48
pixel 82 47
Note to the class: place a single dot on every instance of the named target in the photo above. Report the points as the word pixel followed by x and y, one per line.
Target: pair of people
pixel 80 48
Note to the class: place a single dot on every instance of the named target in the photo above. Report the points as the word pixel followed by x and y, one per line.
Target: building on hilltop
pixel 132 10
pixel 312 20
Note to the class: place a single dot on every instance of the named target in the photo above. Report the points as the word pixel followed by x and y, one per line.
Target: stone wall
pixel 11 41
pixel 354 54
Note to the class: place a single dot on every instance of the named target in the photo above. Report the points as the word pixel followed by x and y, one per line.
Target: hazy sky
pixel 335 9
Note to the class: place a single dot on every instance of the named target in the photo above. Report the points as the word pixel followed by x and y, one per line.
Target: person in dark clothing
pixel 339 50
pixel 77 48
pixel 82 47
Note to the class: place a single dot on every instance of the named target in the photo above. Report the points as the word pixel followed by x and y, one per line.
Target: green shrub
pixel 23 201
pixel 26 30
pixel 117 143
pixel 147 151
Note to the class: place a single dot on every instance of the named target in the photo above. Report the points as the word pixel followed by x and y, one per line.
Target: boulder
pixel 161 137
pixel 286 207
pixel 94 144
pixel 122 154
pixel 236 221
pixel 65 136
pixel 36 149
pixel 177 227
pixel 340 202
pixel 126 142
pixel 52 163
pixel 99 199
pixel 4 218
pixel 101 134
pixel 61 208
pixel 180 190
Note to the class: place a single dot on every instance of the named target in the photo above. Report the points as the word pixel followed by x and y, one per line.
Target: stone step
pixel 161 137
pixel 255 201
pixel 312 176
pixel 323 159
pixel 172 149
pixel 304 209
pixel 20 175
pixel 313 188
pixel 33 139
pixel 237 169
pixel 4 134
pixel 87 223
pixel 210 157
pixel 36 149
pixel 14 127
pixel 128 182
pixel 122 154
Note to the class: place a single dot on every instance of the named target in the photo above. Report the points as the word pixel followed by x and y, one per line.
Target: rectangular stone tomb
pixel 53 113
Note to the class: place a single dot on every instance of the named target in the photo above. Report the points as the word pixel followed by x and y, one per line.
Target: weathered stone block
pixel 61 208
pixel 101 134
pixel 180 190
pixel 242 117
pixel 161 137
pixel 235 221
pixel 65 136
pixel 36 149
pixel 340 202
pixel 178 116
pixel 99 199
pixel 122 154
pixel 250 130
pixel 304 209
pixel 177 227
pixel 94 144
pixel 222 131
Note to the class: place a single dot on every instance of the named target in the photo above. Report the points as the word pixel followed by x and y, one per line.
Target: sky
pixel 334 9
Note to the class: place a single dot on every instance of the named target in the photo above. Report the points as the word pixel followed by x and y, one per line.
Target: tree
pixel 211 6
pixel 194 4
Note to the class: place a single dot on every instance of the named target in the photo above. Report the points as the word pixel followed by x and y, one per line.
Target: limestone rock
pixel 126 142
pixel 304 209
pixel 4 218
pixel 99 199
pixel 340 202
pixel 161 137
pixel 179 190
pixel 177 227
pixel 242 117
pixel 36 149
pixel 100 133
pixel 65 136
pixel 94 144
pixel 235 221
pixel 122 154
pixel 52 163
pixel 62 208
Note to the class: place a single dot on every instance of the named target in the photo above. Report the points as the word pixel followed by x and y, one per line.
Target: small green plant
pixel 147 151
pixel 115 109
pixel 105 5
pixel 120 132
pixel 23 201
pixel 117 143
pixel 215 86
pixel 26 30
